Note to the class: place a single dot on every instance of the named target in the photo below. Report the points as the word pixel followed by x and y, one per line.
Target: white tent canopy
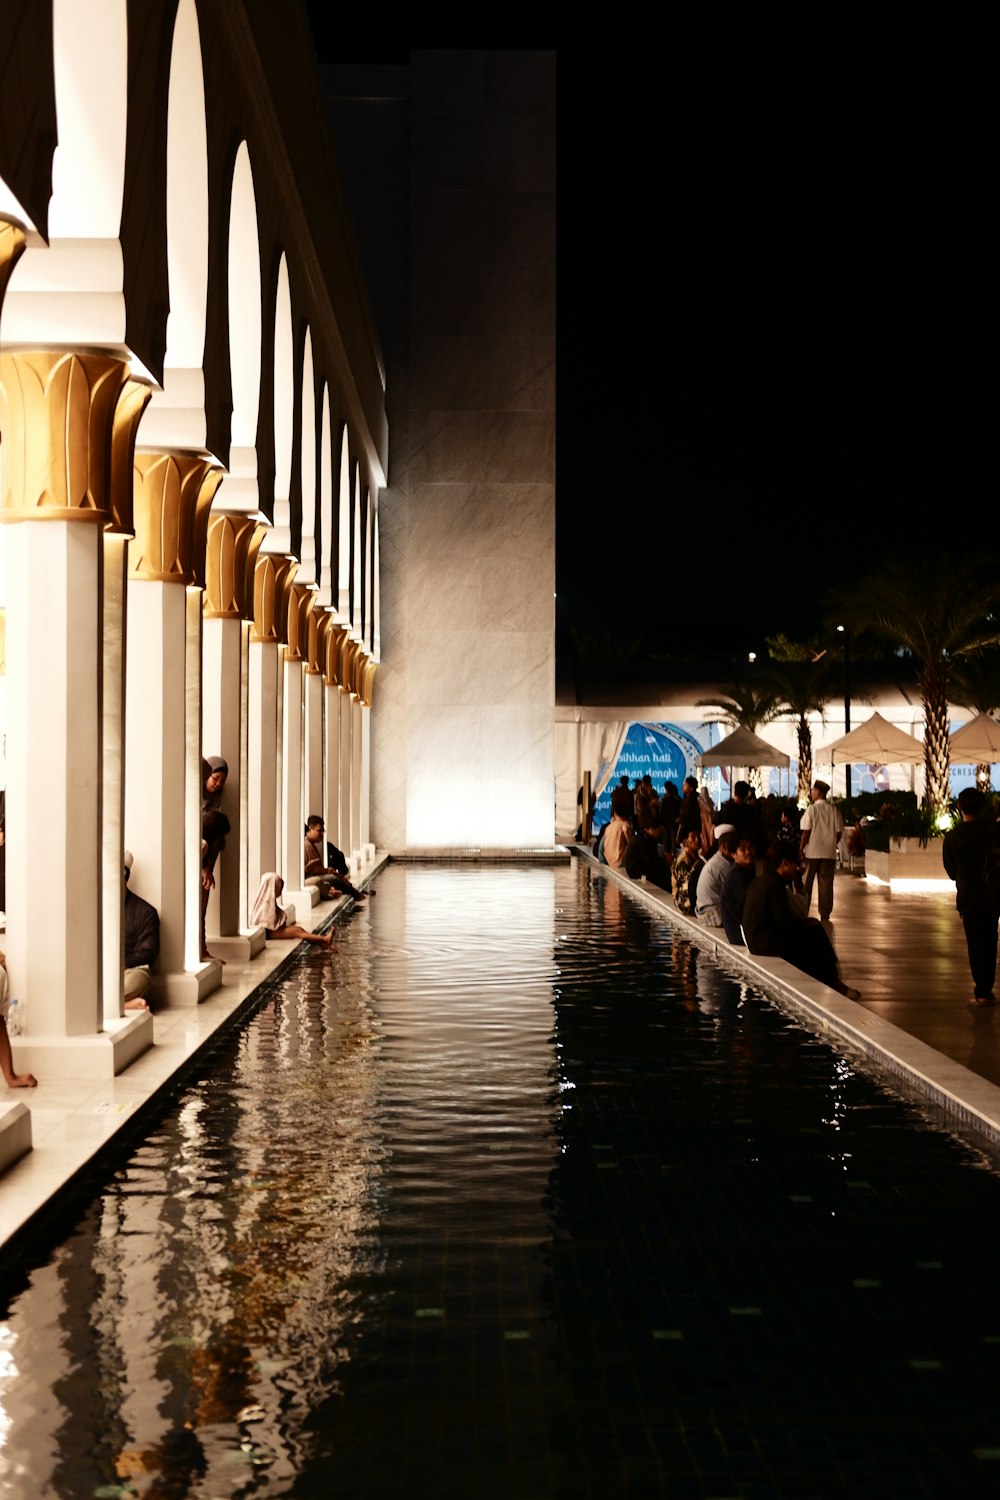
pixel 976 743
pixel 742 748
pixel 876 742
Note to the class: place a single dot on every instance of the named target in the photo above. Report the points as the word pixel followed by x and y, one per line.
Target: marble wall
pixel 464 699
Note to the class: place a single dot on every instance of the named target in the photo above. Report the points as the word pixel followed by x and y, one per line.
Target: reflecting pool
pixel 518 1197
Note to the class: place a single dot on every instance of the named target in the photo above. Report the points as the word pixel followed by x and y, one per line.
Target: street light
pixel 847 699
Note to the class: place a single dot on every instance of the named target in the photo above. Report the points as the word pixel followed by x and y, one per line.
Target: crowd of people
pixel 748 867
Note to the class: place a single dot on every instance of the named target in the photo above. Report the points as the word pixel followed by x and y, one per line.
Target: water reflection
pixel 522 1197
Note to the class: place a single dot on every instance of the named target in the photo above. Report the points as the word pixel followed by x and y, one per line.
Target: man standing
pixel 822 828
pixel 965 852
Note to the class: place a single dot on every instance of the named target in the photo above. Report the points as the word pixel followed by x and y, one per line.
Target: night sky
pixel 777 314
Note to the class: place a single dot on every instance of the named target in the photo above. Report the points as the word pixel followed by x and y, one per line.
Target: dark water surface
pixel 519 1197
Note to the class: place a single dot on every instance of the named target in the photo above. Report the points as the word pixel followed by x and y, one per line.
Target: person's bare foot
pixel 22 1081
pixel 136 1003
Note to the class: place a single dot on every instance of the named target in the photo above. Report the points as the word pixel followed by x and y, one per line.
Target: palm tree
pixel 745 709
pixel 937 607
pixel 976 686
pixel 800 674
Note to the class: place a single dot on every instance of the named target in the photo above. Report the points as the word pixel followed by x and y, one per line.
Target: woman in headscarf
pixel 214 827
pixel 268 914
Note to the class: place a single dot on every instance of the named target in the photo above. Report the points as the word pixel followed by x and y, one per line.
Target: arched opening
pixel 176 415
pixel 344 531
pixel 244 319
pixel 357 560
pixel 307 544
pixel 284 405
pixel 325 502
pixel 376 632
pixel 70 291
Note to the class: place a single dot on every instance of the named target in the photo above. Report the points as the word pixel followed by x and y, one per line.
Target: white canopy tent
pixel 876 742
pixel 976 743
pixel 743 748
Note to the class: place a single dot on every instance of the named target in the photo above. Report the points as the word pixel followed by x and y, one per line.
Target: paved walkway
pixel 905 952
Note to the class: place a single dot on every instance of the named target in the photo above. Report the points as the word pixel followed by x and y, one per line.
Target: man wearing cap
pixel 822 828
pixel 142 944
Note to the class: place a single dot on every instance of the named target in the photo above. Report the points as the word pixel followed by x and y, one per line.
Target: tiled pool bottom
pixel 517 1197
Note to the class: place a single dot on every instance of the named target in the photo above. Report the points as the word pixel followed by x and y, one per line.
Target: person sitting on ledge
pixel 739 878
pixel 708 909
pixel 317 873
pixel 142 944
pixel 642 857
pixel 773 926
pixel 686 872
pixel 11 1079
pixel 269 915
pixel 619 831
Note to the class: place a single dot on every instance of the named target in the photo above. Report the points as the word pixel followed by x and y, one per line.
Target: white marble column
pixel 367 847
pixel 162 717
pixel 357 757
pixel 313 798
pixel 293 759
pixel 57 410
pixel 263 718
pixel 132 402
pixel 348 840
pixel 331 763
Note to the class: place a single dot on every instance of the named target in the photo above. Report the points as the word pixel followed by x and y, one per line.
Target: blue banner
pixel 666 752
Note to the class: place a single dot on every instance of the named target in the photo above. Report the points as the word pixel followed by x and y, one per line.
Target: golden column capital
pixel 335 637
pixel 133 399
pixel 282 603
pixel 57 412
pixel 167 489
pixel 12 242
pixel 202 515
pixel 300 602
pixel 317 626
pixel 230 534
pixel 368 684
pixel 270 576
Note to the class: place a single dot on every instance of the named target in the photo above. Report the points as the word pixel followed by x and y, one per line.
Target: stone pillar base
pixel 303 900
pixel 15 1134
pixel 239 948
pixel 105 1055
pixel 187 987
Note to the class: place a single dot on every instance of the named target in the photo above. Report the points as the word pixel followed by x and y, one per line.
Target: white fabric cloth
pixel 266 911
pixel 825 825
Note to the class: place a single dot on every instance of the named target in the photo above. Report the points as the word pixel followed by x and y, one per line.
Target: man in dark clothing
pixel 738 879
pixel 964 853
pixel 740 812
pixel 642 857
pixel 689 818
pixel 142 944
pixel 773 927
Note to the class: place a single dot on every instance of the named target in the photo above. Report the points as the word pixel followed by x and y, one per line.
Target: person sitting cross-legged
pixel 325 877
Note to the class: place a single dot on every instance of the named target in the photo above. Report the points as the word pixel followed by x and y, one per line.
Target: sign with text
pixel 666 752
